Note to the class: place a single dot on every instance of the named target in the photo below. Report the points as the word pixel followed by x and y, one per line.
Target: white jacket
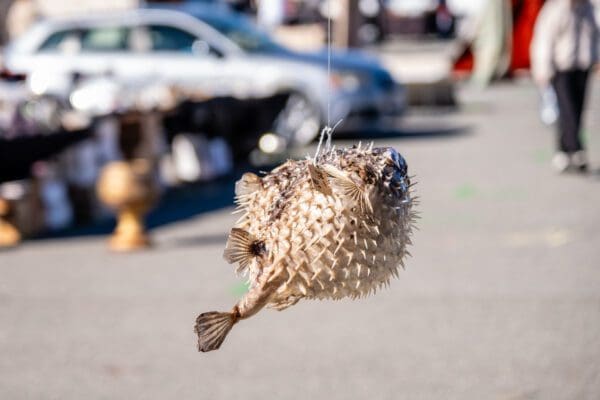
pixel 566 37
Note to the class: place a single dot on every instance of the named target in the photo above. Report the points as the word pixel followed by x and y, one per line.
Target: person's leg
pixel 575 100
pixel 578 90
pixel 579 86
pixel 566 120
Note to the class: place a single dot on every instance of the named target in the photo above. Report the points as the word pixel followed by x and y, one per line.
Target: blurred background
pixel 124 125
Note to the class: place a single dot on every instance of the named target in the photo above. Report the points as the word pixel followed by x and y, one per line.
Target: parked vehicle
pixel 216 49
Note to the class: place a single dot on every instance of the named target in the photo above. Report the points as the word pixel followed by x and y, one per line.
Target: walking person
pixel 563 52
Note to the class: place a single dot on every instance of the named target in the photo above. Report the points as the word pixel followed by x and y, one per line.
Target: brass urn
pixel 131 189
pixel 9 235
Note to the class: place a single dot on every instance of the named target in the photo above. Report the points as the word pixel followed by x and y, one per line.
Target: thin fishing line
pixel 329 62
pixel 327 129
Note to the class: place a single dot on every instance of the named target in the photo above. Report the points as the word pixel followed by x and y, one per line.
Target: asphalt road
pixel 501 299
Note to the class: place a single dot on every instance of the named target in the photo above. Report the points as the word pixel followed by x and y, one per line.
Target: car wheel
pixel 299 121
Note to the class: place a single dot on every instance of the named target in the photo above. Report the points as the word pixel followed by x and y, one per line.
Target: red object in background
pixel 524 15
pixel 464 64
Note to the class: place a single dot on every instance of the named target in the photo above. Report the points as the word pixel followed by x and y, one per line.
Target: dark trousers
pixel 570 92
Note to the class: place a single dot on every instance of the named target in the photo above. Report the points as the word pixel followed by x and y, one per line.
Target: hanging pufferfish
pixel 333 226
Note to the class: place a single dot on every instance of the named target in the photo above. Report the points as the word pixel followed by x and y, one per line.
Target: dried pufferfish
pixel 325 228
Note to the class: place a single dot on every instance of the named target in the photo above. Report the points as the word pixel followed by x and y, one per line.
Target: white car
pixel 217 50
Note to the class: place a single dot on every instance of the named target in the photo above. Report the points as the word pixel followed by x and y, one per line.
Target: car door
pixel 58 53
pixel 106 49
pixel 90 50
pixel 177 55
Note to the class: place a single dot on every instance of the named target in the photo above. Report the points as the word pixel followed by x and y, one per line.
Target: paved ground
pixel 500 301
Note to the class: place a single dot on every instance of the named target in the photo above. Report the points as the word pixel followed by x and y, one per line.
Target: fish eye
pixel 393 156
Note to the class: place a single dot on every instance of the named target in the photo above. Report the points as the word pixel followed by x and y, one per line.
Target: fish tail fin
pixel 212 328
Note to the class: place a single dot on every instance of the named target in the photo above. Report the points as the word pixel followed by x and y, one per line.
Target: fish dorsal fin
pixel 349 187
pixel 242 247
pixel 248 184
pixel 318 179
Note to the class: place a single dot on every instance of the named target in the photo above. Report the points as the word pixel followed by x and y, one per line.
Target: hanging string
pixel 328 62
pixel 327 129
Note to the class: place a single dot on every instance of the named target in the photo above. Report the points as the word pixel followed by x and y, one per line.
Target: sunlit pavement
pixel 501 299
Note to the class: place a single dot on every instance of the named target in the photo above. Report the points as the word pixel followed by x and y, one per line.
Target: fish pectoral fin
pixel 349 188
pixel 248 184
pixel 212 328
pixel 242 247
pixel 318 179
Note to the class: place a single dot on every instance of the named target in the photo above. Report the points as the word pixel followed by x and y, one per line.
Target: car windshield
pixel 242 32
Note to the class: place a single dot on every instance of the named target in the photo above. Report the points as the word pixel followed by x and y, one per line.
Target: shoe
pixel 579 161
pixel 561 161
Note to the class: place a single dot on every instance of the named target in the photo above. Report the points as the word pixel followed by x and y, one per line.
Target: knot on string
pixel 326 131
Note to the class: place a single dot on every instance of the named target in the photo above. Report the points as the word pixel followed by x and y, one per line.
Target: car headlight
pixel 345 81
pixel 270 143
pixel 98 97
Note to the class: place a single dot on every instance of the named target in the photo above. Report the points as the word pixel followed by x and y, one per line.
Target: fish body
pixel 328 227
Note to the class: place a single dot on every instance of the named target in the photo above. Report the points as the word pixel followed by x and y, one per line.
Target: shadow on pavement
pixel 195 241
pixel 176 204
pixel 429 129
